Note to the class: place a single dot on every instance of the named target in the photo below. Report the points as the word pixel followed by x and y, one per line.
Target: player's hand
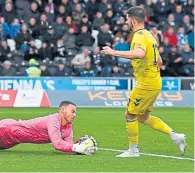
pixel 85 145
pixel 108 51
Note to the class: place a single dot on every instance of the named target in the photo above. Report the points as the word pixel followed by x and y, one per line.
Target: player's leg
pixel 132 124
pixel 133 135
pixel 157 124
pixel 6 142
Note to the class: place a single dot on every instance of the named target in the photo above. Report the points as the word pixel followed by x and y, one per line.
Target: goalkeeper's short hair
pixel 66 103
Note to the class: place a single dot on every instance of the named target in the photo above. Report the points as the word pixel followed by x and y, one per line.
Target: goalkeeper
pixel 55 128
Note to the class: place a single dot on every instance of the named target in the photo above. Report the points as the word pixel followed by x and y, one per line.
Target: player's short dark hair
pixel 137 12
pixel 66 103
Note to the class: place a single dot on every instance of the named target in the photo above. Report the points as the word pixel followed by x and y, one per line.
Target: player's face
pixel 70 113
pixel 130 21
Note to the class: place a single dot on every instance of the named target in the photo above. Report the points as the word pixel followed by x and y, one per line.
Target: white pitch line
pixel 149 154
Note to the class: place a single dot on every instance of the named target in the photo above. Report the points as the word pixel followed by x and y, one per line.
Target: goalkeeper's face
pixel 69 113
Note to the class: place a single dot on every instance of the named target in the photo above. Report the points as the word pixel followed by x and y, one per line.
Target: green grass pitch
pixel 108 127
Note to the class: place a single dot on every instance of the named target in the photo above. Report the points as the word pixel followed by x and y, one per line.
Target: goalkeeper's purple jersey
pixel 40 130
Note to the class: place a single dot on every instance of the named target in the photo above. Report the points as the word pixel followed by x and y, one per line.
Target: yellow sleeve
pixel 139 40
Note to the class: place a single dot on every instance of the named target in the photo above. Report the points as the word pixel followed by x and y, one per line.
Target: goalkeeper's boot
pixel 133 151
pixel 179 140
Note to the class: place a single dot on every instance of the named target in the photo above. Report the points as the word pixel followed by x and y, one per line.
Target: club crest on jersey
pixel 140 33
pixel 62 134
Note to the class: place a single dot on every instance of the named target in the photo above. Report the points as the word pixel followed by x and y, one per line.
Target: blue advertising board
pixel 170 84
pixel 93 84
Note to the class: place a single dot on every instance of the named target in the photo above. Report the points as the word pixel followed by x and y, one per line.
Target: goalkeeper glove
pixel 85 145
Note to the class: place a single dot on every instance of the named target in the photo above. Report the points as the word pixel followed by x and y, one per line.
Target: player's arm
pixel 138 52
pixel 87 147
pixel 56 139
pixel 159 61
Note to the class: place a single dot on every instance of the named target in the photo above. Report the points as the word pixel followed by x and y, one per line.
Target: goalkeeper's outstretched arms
pixel 84 145
pixel 61 134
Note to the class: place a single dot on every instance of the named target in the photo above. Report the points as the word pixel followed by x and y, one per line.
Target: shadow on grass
pixel 33 152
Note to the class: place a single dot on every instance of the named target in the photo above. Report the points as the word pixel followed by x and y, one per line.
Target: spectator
pixel 22 8
pixel 80 59
pixel 33 12
pixel 14 28
pixel 116 72
pixel 50 36
pixel 166 45
pixel 7 69
pixel 98 21
pixel 85 39
pixel 125 33
pixel 87 71
pixel 171 36
pixel 109 18
pixel 178 14
pixel 77 13
pixel 67 6
pixel 104 36
pixel 4 51
pixel 5 27
pixel 188 6
pixel 44 70
pixel 46 51
pixel 149 7
pixel 85 22
pixel 165 59
pixel 161 10
pixel 191 38
pixel 91 9
pixel 61 51
pixel 175 62
pixel 23 38
pixel 33 71
pixel 69 40
pixel 96 57
pixel 119 23
pixel 1 32
pixel 34 28
pixel 122 46
pixel 62 12
pixel 188 60
pixel 186 23
pixel 51 6
pixel 103 6
pixel 50 16
pixel 44 24
pixel 63 70
pixel 106 64
pixel 8 13
pixel 171 23
pixel 182 38
pixel 118 6
pixel 71 24
pixel 171 5
pixel 156 34
pixel 32 51
pixel 59 27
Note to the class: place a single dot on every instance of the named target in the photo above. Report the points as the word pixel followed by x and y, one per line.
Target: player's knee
pixel 129 115
pixel 143 117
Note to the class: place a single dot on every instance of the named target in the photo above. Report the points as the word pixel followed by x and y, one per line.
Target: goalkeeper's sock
pixel 132 131
pixel 158 124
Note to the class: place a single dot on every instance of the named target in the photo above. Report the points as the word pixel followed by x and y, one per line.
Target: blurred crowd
pixel 65 37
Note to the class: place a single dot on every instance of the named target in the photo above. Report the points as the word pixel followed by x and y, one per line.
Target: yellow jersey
pixel 146 71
